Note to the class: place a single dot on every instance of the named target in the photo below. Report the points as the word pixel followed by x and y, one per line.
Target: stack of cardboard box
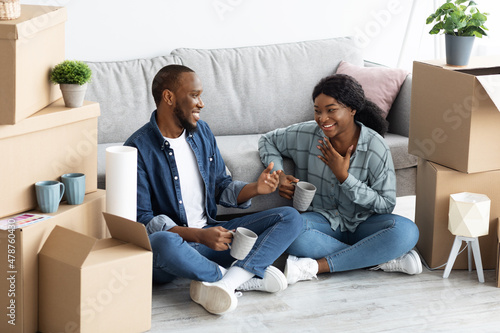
pixel 41 139
pixel 454 129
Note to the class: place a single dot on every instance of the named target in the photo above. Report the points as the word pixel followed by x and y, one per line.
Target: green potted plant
pixel 72 77
pixel 460 23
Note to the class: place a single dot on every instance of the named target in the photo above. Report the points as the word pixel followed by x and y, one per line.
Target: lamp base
pixel 472 242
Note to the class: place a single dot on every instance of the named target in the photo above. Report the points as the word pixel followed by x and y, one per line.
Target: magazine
pixel 22 220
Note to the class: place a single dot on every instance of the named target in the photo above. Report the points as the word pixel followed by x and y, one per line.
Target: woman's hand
pixel 268 181
pixel 337 163
pixel 216 238
pixel 286 186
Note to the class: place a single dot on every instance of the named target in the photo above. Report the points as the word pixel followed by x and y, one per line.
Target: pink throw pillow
pixel 381 84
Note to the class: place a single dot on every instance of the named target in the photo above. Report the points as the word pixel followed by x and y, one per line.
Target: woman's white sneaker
pixel 300 269
pixel 408 263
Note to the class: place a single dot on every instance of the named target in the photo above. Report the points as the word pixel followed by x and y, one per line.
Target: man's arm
pixel 265 184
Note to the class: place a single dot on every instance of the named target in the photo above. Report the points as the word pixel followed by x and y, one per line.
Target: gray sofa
pixel 248 91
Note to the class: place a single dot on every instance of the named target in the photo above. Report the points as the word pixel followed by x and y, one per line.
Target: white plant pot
pixel 73 94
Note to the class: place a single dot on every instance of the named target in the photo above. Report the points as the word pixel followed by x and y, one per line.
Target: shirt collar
pixel 162 141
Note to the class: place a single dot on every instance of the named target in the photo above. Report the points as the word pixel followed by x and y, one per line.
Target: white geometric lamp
pixel 469 214
pixel 468 218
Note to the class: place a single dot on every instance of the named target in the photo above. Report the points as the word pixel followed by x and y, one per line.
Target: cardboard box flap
pixel 33 19
pixel 491 83
pixel 68 246
pixel 127 230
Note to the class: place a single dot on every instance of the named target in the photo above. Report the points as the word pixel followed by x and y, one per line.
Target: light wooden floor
pixel 356 301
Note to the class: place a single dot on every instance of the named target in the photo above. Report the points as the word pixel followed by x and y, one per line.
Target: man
pixel 181 179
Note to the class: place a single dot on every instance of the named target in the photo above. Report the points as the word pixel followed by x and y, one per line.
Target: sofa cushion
pixel 380 84
pixel 123 91
pixel 398 145
pixel 252 90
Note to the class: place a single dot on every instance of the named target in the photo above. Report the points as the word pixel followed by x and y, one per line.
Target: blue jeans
pixel 377 240
pixel 173 257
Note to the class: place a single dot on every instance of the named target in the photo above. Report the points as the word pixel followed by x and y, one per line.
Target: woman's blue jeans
pixel 173 257
pixel 375 241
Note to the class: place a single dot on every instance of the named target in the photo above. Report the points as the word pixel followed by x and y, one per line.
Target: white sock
pixel 222 270
pixel 236 276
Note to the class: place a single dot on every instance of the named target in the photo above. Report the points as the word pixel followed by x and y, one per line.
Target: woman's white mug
pixel 303 195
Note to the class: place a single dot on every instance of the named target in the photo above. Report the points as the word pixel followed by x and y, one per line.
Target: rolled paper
pixel 121 181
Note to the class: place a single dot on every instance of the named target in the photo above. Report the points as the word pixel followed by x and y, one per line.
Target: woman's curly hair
pixel 347 91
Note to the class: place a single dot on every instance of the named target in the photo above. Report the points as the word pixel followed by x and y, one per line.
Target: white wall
pixel 108 30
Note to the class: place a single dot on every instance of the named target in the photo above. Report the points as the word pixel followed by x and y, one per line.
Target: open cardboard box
pixel 54 141
pixel 91 285
pixel 455 115
pixel 21 302
pixel 30 47
pixel 435 183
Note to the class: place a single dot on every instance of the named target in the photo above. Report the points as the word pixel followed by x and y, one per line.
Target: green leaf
pixel 474 31
pixel 479 17
pixel 430 19
pixel 436 28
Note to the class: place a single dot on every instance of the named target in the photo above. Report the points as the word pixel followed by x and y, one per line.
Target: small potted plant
pixel 461 23
pixel 72 77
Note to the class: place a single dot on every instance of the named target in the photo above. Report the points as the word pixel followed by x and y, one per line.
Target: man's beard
pixel 183 120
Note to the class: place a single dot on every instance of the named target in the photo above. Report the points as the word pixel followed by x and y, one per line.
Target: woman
pixel 349 224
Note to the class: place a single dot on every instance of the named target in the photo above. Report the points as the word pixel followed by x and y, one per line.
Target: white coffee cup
pixel 243 241
pixel 303 196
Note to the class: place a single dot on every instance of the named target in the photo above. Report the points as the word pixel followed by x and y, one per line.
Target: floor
pixel 360 301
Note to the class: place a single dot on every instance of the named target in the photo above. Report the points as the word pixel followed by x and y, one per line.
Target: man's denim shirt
pixel 159 201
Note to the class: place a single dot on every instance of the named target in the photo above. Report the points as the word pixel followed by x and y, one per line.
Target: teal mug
pixel 75 187
pixel 48 195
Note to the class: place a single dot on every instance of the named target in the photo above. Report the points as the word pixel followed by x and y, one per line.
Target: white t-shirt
pixel 192 187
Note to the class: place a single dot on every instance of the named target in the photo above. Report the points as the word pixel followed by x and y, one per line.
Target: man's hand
pixel 265 184
pixel 286 185
pixel 268 181
pixel 337 163
pixel 216 238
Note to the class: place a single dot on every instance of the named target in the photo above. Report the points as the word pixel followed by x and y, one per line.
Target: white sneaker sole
pixel 278 283
pixel 415 255
pixel 213 298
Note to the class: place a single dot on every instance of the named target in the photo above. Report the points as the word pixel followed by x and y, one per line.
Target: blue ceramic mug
pixel 75 187
pixel 48 195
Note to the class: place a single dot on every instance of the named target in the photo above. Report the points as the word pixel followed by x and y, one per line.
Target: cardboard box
pixel 454 118
pixel 498 254
pixel 52 142
pixel 435 183
pixel 90 285
pixel 25 243
pixel 30 47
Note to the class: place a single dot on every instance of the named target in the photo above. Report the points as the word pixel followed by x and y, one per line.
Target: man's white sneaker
pixel 274 280
pixel 215 297
pixel 300 269
pixel 408 263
